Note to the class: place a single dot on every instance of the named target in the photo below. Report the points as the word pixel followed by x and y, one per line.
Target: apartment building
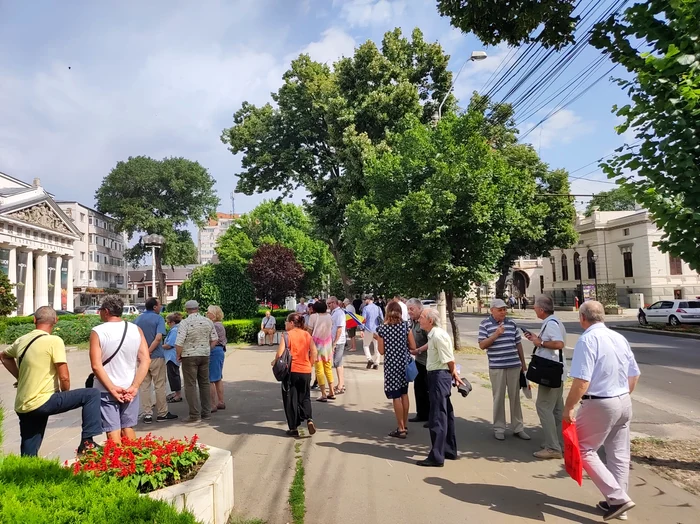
pixel 209 234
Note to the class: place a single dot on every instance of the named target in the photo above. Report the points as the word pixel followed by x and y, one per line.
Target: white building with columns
pixel 36 246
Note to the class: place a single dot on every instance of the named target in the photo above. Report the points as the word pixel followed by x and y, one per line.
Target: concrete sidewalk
pixel 356 473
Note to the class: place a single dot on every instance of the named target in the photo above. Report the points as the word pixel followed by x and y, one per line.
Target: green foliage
pixel 659 42
pixel 235 248
pixel 37 491
pixel 243 330
pixel 325 118
pixel 297 493
pixel 607 295
pixel 8 301
pixel 221 284
pixel 275 273
pixel 513 22
pixel 73 331
pixel 618 199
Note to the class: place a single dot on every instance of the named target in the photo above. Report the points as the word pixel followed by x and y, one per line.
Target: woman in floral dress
pixel 320 326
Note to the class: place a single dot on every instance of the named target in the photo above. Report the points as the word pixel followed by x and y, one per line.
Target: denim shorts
pixel 117 415
pixel 338 355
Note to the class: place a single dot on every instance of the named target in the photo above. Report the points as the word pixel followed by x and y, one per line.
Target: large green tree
pixel 325 119
pixel 618 199
pixel 514 21
pixel 8 301
pixel 440 208
pixel 659 41
pixel 147 196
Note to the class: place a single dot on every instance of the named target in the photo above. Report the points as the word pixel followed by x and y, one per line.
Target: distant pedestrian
pixel 404 309
pixel 351 332
pixel 500 337
pixel 373 319
pixel 511 302
pixel 152 325
pixel 269 327
pixel 120 359
pixel 605 373
pixel 395 342
pixel 550 344
pixel 195 338
pixel 38 361
pixel 525 302
pixel 302 306
pixel 420 384
pixel 171 363
pixel 357 304
pixel 339 340
pixel 321 326
pixel 216 359
pixel 442 372
pixel 381 304
pixel 296 396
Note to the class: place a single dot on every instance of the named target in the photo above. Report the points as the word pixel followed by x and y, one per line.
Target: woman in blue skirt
pixel 216 359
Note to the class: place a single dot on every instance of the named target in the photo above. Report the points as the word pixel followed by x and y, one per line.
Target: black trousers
pixel 296 398
pixel 420 389
pixel 173 376
pixel 442 417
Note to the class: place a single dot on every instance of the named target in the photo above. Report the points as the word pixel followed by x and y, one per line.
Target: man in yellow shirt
pixel 38 361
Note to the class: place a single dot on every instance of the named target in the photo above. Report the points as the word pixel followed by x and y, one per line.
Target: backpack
pixel 282 367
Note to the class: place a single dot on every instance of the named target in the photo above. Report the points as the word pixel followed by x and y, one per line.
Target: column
pixel 41 293
pixel 69 285
pixel 57 284
pixel 28 308
pixel 12 269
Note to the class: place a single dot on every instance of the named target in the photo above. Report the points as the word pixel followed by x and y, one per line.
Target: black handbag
pixel 544 371
pixel 90 380
pixel 282 367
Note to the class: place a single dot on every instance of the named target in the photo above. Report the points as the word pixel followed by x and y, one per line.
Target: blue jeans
pixel 33 424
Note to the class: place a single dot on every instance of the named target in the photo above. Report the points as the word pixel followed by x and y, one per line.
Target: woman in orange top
pixel 296 394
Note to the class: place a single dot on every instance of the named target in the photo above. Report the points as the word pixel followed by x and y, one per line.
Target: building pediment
pixel 43 215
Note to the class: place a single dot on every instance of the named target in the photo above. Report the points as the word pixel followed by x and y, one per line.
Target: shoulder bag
pixel 21 358
pixel 282 367
pixel 544 371
pixel 90 380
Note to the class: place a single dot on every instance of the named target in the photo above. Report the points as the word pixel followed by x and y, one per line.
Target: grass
pixel 485 379
pixel 683 328
pixel 239 520
pixel 297 499
pixel 470 350
pixel 675 460
pixel 80 345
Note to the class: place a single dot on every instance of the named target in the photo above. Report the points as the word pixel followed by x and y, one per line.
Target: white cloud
pixel 334 44
pixel 475 74
pixel 562 128
pixel 363 13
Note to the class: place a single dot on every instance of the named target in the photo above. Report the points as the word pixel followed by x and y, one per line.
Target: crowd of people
pixel 132 360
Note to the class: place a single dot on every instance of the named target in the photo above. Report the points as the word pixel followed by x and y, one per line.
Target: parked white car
pixel 674 312
pixel 92 310
pixel 130 310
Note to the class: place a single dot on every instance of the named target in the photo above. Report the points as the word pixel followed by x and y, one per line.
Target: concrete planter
pixel 614 311
pixel 208 496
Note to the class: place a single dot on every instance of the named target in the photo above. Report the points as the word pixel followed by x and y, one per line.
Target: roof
pixel 10 191
pixel 223 216
pixel 45 197
pixel 66 202
pixel 178 273
pixel 16 180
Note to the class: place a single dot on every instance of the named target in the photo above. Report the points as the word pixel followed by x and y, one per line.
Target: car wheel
pixel 642 320
pixel 674 321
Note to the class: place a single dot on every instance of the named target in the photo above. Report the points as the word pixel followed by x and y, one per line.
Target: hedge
pixel 35 491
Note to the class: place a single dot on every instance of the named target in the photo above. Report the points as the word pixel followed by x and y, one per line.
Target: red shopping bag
pixel 572 452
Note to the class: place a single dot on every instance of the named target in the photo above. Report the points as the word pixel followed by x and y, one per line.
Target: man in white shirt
pixel 404 308
pixel 605 372
pixel 339 339
pixel 550 344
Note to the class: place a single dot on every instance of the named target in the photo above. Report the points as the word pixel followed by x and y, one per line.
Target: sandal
pixel 221 406
pixel 321 399
pixel 397 433
pixel 331 397
pixel 173 400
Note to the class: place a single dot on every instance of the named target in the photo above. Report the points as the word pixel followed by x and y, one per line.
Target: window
pixel 90 220
pixel 10 228
pixel 676 265
pixel 92 238
pixel 591 264
pixel 82 217
pixel 627 259
pixel 564 267
pixel 541 284
pixel 554 271
pixel 92 275
pixel 626 232
pixel 82 255
pixel 169 290
pixel 104 242
pixel 82 275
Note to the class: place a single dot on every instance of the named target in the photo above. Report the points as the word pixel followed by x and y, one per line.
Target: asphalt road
pixel 670 366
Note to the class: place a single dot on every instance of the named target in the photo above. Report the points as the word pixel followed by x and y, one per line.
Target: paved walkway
pixel 355 473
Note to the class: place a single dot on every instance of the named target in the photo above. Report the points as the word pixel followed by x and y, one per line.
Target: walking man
pixel 339 339
pixel 196 336
pixel 441 372
pixel 550 344
pixel 153 327
pixel 420 384
pixel 404 308
pixel 500 338
pixel 38 361
pixel 605 372
pixel 301 306
pixel 373 319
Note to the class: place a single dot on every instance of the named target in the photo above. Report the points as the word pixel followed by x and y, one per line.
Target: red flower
pixel 148 466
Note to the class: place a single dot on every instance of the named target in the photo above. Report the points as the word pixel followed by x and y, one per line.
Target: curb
pixel 694 336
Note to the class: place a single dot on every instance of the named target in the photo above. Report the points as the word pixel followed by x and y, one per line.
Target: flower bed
pixel 147 463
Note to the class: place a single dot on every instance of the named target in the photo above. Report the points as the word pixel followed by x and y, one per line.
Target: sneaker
pixel 292 432
pixel 191 419
pixel 604 506
pixel 310 426
pixel 148 419
pixel 617 510
pixel 370 364
pixel 522 435
pixel 375 366
pixel 499 436
pixel 547 454
pixel 86 445
pixel 166 417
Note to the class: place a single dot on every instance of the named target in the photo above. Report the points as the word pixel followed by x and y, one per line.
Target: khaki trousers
pixel 195 372
pixel 550 408
pixel 156 374
pixel 503 380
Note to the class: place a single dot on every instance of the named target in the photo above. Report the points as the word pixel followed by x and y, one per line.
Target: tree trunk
pixel 160 285
pixel 450 298
pixel 501 282
pixel 343 272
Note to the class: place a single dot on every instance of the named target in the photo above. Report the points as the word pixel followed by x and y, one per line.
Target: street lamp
pixel 577 263
pixel 476 56
pixel 153 241
pixel 595 273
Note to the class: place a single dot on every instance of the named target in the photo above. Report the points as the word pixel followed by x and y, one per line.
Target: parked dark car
pixel 64 312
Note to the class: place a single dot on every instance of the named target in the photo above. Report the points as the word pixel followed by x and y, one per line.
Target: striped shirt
pixel 503 353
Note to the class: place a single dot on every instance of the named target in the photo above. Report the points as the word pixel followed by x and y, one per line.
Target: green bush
pixel 275 312
pixel 243 330
pixel 71 331
pixel 36 491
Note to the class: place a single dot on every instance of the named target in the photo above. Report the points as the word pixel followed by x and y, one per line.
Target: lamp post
pixel 153 241
pixel 595 273
pixel 577 263
pixel 476 56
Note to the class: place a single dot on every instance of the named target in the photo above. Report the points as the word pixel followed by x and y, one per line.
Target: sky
pixel 86 84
